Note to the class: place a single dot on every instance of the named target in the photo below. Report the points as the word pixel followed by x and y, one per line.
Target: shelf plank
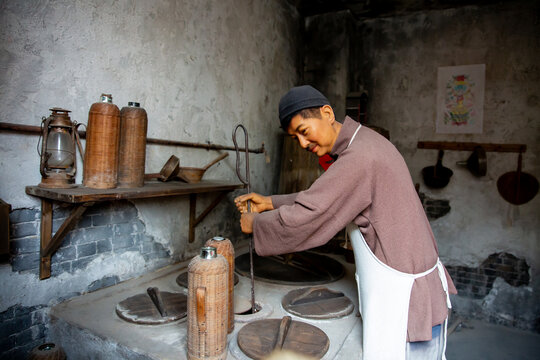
pixel 81 194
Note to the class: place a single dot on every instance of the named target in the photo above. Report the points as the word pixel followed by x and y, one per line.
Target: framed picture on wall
pixel 460 99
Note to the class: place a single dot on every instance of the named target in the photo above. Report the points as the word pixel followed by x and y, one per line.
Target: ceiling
pixel 365 9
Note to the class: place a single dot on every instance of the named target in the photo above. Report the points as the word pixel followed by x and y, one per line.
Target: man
pixel 403 288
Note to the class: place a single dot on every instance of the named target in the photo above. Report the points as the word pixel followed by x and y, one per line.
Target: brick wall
pixel 22 329
pixel 109 229
pixel 477 282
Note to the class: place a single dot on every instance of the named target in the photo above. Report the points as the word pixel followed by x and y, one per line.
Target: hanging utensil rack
pixel 470 146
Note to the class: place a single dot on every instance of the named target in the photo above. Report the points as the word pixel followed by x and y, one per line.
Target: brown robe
pixel 370 185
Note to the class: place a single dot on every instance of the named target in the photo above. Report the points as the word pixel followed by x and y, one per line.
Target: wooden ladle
pixel 193 175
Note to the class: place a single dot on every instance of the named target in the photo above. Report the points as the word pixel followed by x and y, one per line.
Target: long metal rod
pixel 36 130
pixel 245 181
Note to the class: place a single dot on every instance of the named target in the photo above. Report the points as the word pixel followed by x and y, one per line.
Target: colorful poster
pixel 460 99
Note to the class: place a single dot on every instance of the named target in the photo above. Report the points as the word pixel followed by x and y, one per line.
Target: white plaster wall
pixel 401 71
pixel 197 67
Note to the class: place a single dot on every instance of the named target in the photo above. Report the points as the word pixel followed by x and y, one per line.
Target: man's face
pixel 315 135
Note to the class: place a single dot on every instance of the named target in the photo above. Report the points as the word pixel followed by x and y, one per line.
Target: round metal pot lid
pixel 317 303
pixel 291 269
pixel 259 338
pixel 143 309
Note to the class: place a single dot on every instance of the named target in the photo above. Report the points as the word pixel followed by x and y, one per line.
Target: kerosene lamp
pixel 58 164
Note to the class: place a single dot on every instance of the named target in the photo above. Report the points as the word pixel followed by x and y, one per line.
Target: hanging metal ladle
pixel 245 181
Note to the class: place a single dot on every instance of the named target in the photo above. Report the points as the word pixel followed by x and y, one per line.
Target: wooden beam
pixel 470 146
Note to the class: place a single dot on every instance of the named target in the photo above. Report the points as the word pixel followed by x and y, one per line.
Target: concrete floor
pixel 477 340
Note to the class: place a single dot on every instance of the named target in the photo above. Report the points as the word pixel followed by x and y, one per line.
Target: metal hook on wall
pixel 244 180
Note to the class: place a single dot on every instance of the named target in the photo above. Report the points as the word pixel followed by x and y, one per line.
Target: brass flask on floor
pixel 207 306
pixel 102 142
pixel 225 247
pixel 132 151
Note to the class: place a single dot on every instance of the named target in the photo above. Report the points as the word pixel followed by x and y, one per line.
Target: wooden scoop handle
pixel 284 326
pixel 155 295
pixel 221 157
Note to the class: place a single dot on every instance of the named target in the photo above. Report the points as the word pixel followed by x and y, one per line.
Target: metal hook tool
pixel 245 181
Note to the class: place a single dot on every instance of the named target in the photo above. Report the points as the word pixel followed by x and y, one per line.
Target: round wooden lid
pixel 317 303
pixel 141 309
pixel 259 338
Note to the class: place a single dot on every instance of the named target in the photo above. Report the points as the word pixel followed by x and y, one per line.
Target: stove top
pixel 89 325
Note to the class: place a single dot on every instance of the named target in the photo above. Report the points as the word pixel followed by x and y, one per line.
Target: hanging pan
pixel 437 176
pixel 476 163
pixel 517 187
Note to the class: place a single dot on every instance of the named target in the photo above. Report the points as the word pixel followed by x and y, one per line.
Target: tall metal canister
pixel 132 151
pixel 207 306
pixel 225 247
pixel 102 142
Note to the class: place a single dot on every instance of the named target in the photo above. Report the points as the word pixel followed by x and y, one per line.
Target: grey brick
pixel 99 233
pixel 84 222
pixel 63 211
pixel 60 268
pixel 57 223
pixel 15 326
pixel 25 245
pixel 6 346
pixel 138 226
pixel 20 230
pixel 80 264
pixel 8 314
pixel 63 254
pixel 104 246
pixel 25 262
pixel 122 242
pixel 119 217
pixel 25 310
pixel 86 250
pixel 23 215
pixel 136 248
pixel 123 229
pixel 147 247
pixel 75 236
pixel 23 337
pixel 101 219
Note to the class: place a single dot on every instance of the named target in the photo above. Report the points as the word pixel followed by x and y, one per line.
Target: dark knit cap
pixel 299 98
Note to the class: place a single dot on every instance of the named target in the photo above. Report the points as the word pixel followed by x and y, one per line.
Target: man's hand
pixel 259 203
pixel 246 222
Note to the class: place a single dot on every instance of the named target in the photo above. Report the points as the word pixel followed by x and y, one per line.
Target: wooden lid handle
pixel 284 326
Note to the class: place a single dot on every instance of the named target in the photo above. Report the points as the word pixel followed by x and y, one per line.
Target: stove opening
pixel 250 310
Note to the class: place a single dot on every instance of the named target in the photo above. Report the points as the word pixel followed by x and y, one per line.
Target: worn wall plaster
pixel 198 68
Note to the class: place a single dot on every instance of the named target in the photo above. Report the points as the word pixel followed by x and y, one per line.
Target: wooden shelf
pixel 83 198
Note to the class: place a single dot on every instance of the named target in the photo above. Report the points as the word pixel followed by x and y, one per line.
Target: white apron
pixel 383 295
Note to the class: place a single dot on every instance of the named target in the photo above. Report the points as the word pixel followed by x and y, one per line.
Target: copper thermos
pixel 207 306
pixel 102 141
pixel 225 247
pixel 132 151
